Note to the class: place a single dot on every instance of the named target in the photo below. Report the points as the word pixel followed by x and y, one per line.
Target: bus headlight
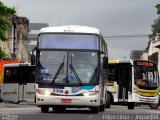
pixel 43 92
pixel 46 92
pixel 135 91
pixel 92 93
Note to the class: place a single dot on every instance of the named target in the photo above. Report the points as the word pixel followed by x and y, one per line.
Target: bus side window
pixel 7 76
pixel 10 76
pixel 111 73
pixel 20 76
pixel 31 74
pixel 117 75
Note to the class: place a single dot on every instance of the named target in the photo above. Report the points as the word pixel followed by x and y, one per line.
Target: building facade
pixel 17 45
pixel 153 50
pixel 136 54
pixel 33 34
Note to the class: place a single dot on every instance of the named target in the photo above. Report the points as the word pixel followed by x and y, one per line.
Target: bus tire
pixel 94 109
pixel 153 106
pixel 131 105
pixel 59 109
pixel 1 100
pixel 35 99
pixel 102 108
pixel 16 102
pixel 108 101
pixel 44 109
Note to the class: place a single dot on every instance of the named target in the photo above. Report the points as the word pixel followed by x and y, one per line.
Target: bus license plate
pixel 148 99
pixel 66 100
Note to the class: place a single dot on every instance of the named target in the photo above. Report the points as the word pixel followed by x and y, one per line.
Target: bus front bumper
pixel 50 100
pixel 143 99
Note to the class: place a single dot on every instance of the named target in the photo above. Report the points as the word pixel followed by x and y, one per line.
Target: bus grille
pixel 146 93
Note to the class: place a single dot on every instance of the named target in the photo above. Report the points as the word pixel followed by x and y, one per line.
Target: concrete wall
pixel 17 46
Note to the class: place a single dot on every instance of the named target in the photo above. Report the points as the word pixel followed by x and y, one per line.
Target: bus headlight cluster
pixel 43 92
pixel 135 91
pixel 91 93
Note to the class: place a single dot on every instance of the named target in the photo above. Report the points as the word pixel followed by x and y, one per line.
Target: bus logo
pixel 66 92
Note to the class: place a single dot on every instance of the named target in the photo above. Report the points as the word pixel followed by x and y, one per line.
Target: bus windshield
pixel 67 67
pixel 146 77
pixel 111 72
pixel 23 74
pixel 68 41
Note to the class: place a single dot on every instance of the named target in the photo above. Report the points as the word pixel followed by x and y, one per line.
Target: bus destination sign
pixel 144 63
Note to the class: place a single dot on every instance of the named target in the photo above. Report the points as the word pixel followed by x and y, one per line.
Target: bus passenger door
pixel 29 84
pixel 104 78
pixel 124 78
pixel 119 82
pixel 22 78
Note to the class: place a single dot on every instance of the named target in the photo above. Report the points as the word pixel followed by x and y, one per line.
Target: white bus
pixel 71 63
pixel 18 83
pixel 133 81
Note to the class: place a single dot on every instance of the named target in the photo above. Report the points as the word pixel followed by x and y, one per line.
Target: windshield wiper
pixel 57 73
pixel 94 76
pixel 79 80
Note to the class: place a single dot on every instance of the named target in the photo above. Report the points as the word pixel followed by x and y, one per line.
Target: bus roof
pixel 112 61
pixel 119 61
pixel 17 65
pixel 70 29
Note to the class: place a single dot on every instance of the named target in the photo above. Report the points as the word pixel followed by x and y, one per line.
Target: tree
pixel 2 54
pixel 156 26
pixel 158 8
pixel 4 22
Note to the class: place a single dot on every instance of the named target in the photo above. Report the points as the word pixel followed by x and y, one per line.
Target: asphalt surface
pixel 29 111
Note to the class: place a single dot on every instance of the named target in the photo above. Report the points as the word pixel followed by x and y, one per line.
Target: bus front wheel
pixel 153 106
pixel 131 105
pixel 108 101
pixel 1 100
pixel 95 109
pixel 102 108
pixel 59 109
pixel 44 109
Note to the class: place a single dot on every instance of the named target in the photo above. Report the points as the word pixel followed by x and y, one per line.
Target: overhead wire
pixel 131 36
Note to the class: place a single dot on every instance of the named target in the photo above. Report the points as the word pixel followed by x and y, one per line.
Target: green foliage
pixel 158 8
pixel 2 54
pixel 4 22
pixel 156 27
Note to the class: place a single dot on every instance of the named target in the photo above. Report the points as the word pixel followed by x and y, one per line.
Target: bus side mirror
pixel 105 62
pixel 33 56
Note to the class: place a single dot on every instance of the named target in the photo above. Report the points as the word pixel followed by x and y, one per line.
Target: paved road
pixel 25 111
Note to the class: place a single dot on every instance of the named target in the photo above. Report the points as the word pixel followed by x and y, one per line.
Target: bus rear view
pixel 68 68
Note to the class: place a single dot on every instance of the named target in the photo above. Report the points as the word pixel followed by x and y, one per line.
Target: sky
pixel 111 17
